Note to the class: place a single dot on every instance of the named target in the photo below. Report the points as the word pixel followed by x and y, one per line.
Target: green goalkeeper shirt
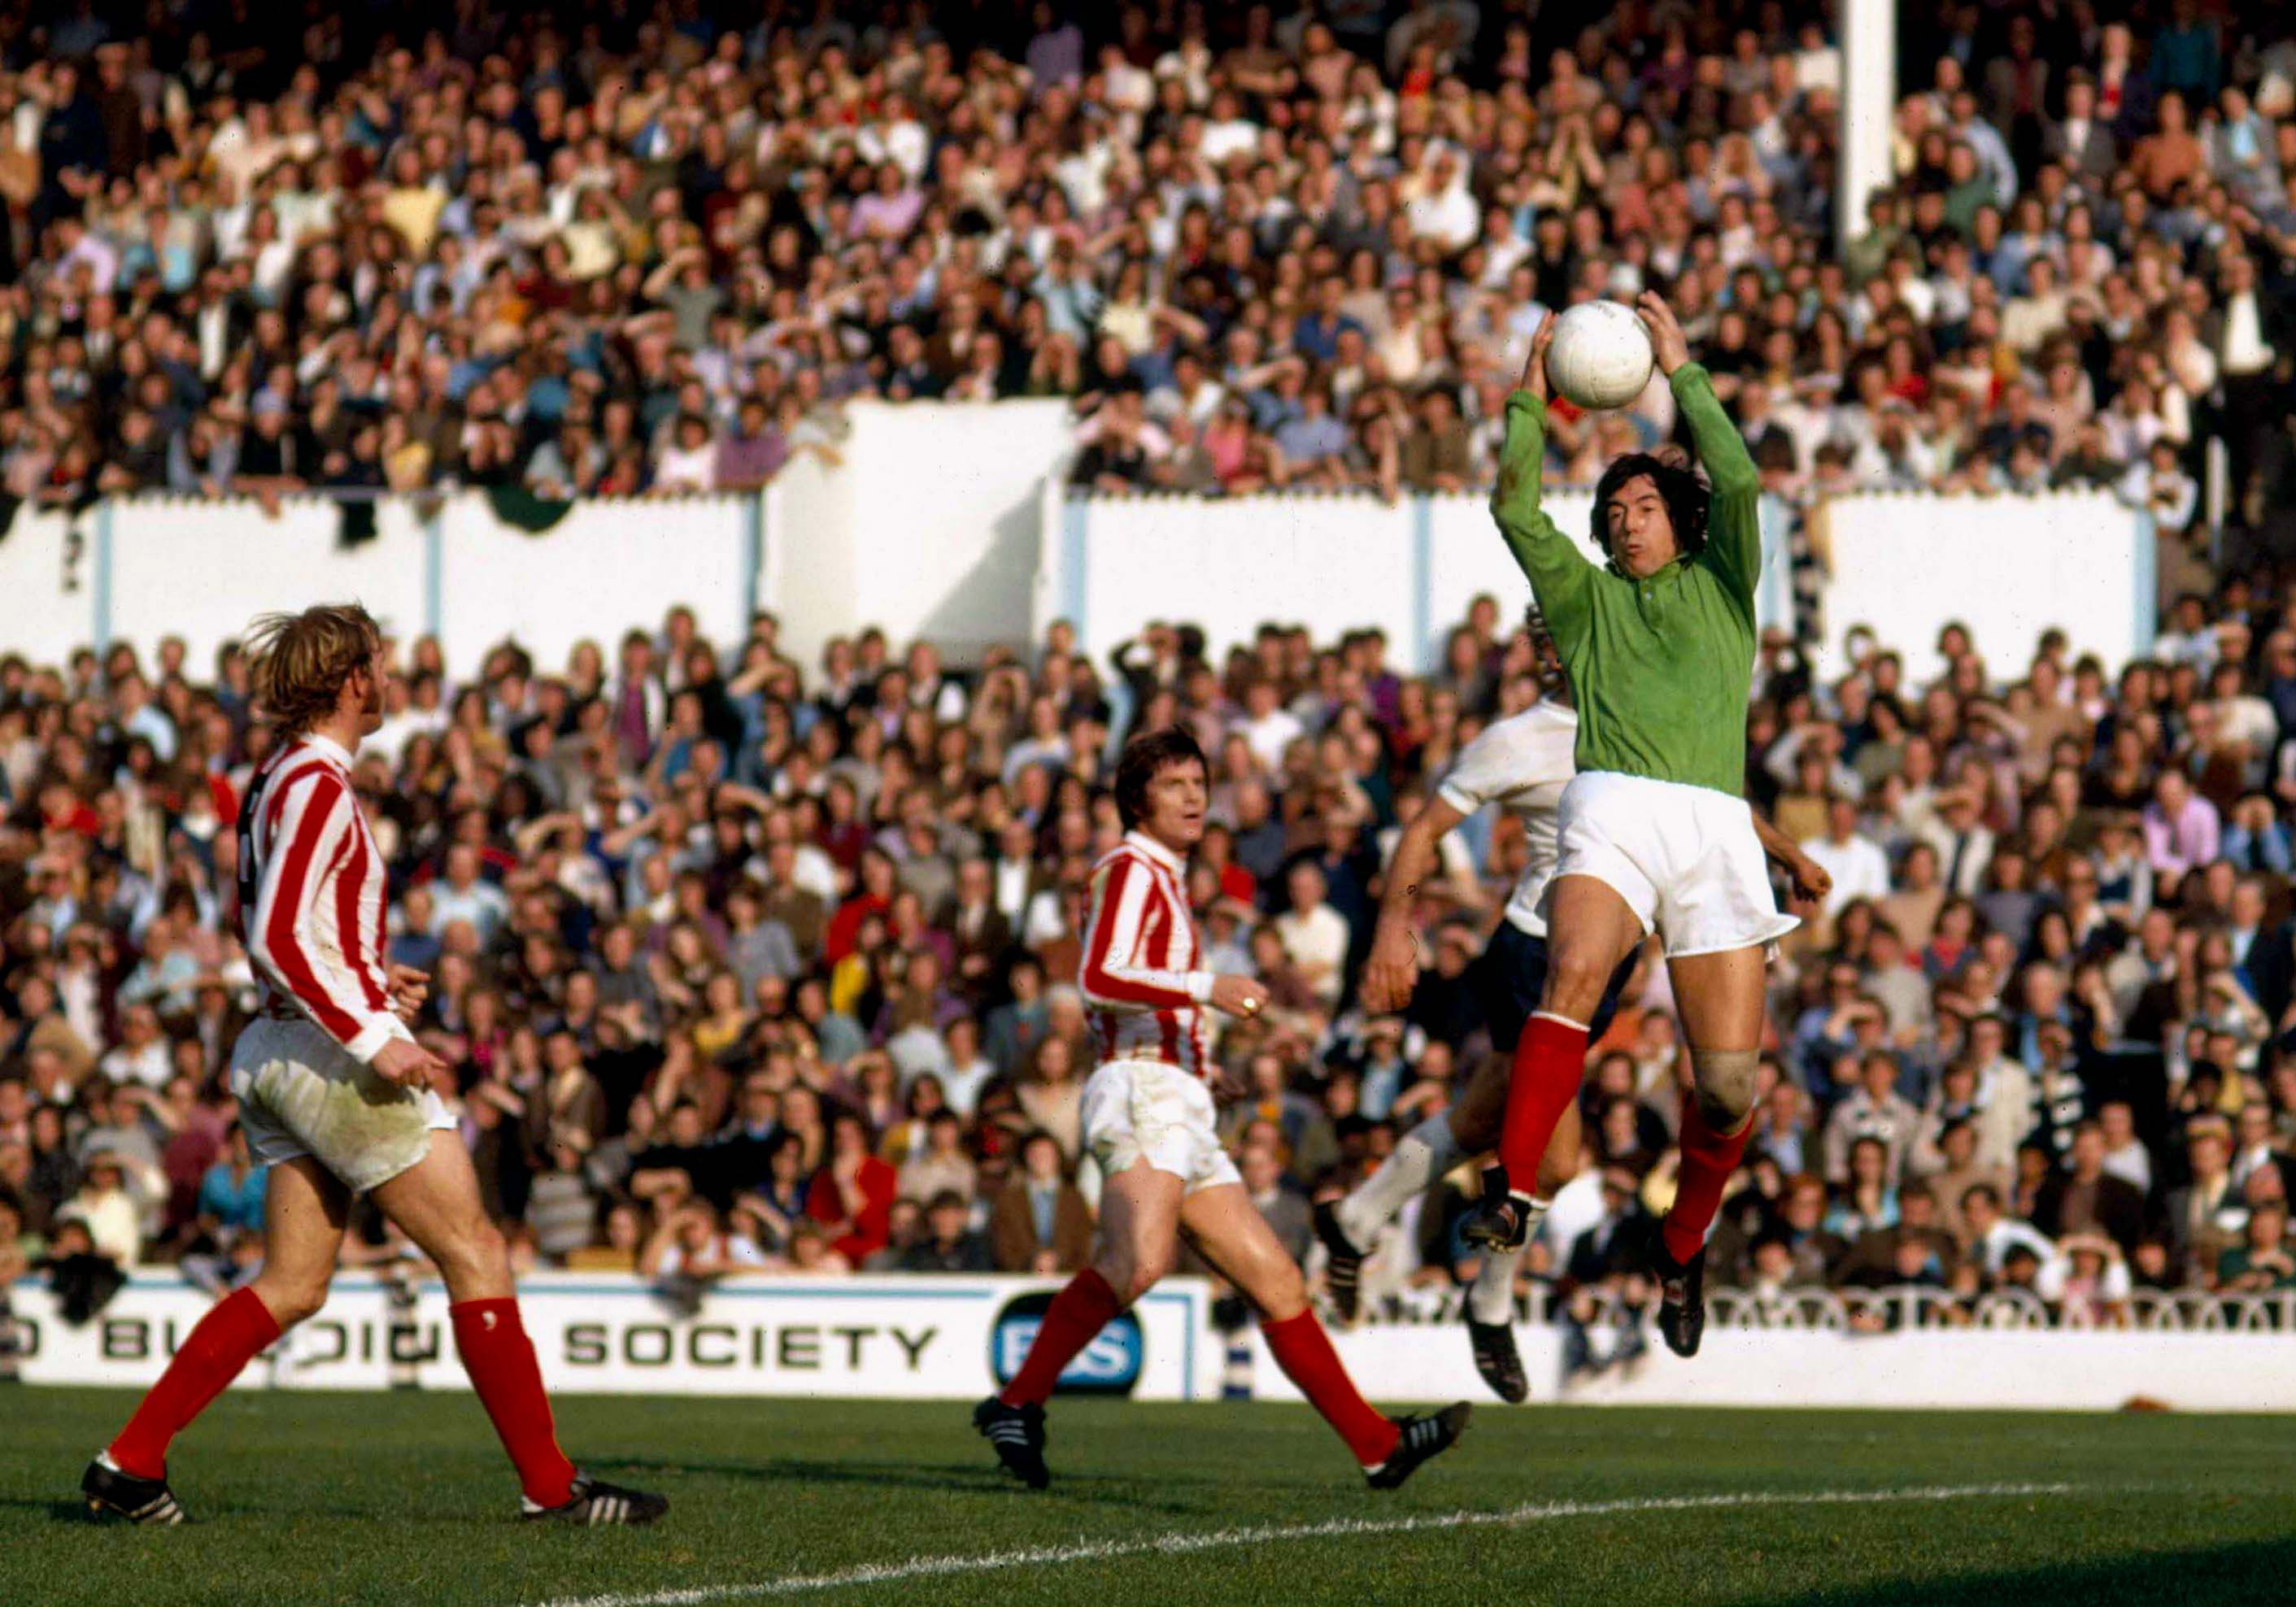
pixel 1660 668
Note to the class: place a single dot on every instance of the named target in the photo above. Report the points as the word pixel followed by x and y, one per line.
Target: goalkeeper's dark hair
pixel 1686 498
pixel 1143 757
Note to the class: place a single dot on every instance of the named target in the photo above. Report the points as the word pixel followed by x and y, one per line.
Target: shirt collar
pixel 327 746
pixel 1155 850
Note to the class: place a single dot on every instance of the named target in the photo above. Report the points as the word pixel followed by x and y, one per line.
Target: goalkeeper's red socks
pixel 1708 1160
pixel 500 1360
pixel 234 1331
pixel 1304 1351
pixel 1076 1315
pixel 1550 1061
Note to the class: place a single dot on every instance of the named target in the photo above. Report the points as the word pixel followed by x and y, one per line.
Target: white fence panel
pixel 48 586
pixel 606 567
pixel 2009 568
pixel 201 569
pixel 1332 563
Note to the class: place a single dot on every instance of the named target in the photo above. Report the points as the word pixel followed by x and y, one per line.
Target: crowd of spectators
pixel 745 964
pixel 638 248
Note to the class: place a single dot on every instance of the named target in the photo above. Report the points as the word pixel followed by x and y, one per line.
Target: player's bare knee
pixel 1141 1277
pixel 1476 1124
pixel 477 1254
pixel 1575 977
pixel 289 1300
pixel 1280 1295
pixel 1722 1080
pixel 1131 1272
pixel 1555 1171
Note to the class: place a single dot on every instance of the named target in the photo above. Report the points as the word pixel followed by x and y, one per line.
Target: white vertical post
pixel 2215 492
pixel 1869 108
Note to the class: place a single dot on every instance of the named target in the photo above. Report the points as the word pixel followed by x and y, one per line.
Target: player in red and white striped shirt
pixel 336 1098
pixel 1148 1121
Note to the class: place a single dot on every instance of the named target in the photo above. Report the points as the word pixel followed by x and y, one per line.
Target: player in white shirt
pixel 1521 763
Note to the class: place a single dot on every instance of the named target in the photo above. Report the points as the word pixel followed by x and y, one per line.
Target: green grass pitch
pixel 405 1499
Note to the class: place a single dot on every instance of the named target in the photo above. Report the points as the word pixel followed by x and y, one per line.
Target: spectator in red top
pixel 873 896
pixel 855 1191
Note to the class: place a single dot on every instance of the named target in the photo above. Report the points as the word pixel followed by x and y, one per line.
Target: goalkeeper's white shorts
pixel 1684 858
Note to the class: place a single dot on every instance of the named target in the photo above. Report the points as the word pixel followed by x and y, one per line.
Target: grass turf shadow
pixel 2202 1577
pixel 966 1477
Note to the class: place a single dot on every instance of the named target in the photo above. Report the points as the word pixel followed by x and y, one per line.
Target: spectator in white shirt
pixel 1269 727
pixel 2125 1154
pixel 1314 935
pixel 1858 866
pixel 1992 1235
pixel 465 896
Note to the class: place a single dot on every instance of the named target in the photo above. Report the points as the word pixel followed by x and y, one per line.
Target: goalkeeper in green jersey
pixel 1654 835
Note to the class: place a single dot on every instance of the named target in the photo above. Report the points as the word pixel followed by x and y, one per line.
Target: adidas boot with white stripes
pixel 1018 1435
pixel 596 1504
pixel 112 1493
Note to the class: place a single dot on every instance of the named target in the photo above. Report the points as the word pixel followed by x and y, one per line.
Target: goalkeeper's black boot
pixel 1501 1223
pixel 1681 1297
pixel 1498 1360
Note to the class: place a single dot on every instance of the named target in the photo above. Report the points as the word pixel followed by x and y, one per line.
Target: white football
pixel 1601 356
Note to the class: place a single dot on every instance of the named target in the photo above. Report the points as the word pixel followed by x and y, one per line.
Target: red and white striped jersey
pixel 311 897
pixel 1139 975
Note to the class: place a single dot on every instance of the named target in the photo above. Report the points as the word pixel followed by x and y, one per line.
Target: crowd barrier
pixel 958 1338
pixel 954 523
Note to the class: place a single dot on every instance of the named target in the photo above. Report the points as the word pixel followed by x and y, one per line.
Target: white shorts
pixel 1137 1110
pixel 1684 858
pixel 301 1094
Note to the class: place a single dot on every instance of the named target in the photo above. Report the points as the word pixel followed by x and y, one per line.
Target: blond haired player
pixel 336 1096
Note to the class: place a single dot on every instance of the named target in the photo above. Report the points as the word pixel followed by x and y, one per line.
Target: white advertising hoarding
pixel 932 1338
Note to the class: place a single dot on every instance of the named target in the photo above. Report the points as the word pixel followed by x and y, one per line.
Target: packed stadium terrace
pixel 773 968
pixel 619 250
pixel 746 965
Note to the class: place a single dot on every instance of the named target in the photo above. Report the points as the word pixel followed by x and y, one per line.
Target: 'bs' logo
pixel 1109 1366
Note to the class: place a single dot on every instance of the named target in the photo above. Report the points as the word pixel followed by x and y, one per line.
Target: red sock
pixel 233 1332
pixel 1074 1320
pixel 500 1360
pixel 1550 1061
pixel 1708 1160
pixel 1304 1351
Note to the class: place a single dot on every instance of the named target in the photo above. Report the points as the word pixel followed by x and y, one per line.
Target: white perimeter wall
pixel 140 570
pixel 1331 563
pixel 952 522
pixel 2008 566
pixel 2049 1370
pixel 927 527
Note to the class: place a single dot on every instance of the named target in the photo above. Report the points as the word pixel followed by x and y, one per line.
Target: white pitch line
pixel 1182 1545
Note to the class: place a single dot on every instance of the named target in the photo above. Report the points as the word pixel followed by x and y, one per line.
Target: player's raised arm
pixel 1733 531
pixel 1559 571
pixel 1392 971
pixel 293 937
